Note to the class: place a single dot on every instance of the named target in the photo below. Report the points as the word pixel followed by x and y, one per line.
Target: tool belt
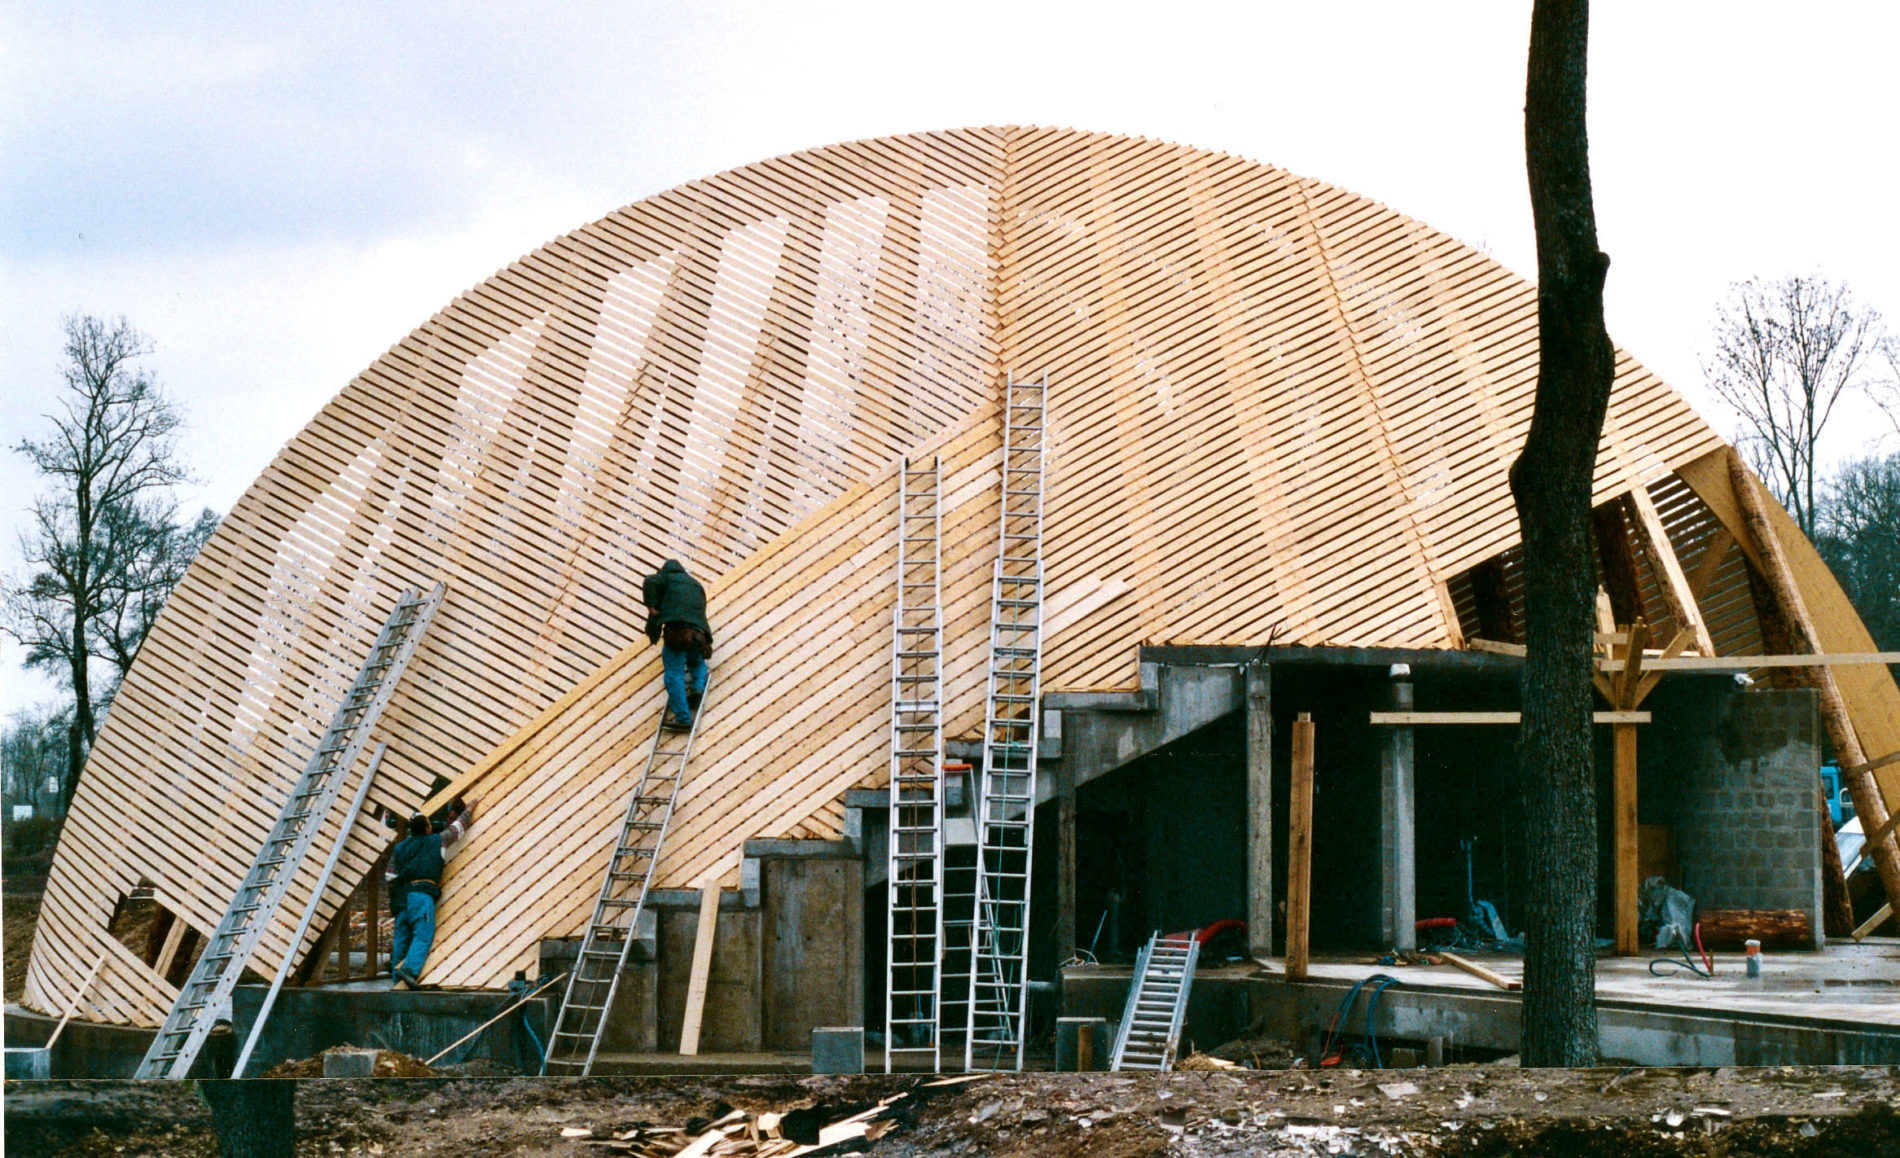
pixel 685 637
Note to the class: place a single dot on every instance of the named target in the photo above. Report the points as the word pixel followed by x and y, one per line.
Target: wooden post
pixel 1624 811
pixel 1299 869
pixel 1085 1047
pixel 1259 811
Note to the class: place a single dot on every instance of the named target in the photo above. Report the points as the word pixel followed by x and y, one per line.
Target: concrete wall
pixel 731 1019
pixel 811 942
pixel 1747 835
pixel 305 1022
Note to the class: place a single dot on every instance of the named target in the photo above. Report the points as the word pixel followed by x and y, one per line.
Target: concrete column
pixel 1259 811
pixel 1398 910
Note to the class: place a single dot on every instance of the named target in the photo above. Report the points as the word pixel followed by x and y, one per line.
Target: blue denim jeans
pixel 682 664
pixel 415 933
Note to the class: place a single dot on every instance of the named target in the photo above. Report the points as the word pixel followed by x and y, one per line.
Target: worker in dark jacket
pixel 415 874
pixel 676 619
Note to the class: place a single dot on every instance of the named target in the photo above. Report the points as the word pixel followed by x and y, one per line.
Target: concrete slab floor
pixel 1844 981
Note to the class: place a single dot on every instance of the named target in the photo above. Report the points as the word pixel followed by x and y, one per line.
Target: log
pixel 1726 929
pixel 1837 908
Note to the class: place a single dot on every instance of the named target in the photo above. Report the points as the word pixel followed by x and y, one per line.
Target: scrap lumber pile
pixel 817 1131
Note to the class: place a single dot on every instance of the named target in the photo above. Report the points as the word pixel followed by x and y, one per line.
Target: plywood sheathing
pixel 1275 405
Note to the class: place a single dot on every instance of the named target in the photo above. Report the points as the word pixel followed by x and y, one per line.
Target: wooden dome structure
pixel 1277 409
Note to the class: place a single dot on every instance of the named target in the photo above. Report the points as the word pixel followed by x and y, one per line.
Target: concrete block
pixel 1069 1034
pixel 29 1064
pixel 349 1063
pixel 837 1049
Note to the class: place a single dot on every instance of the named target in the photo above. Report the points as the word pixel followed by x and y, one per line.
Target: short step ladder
pixel 228 950
pixel 1006 803
pixel 623 895
pixel 1157 1002
pixel 914 912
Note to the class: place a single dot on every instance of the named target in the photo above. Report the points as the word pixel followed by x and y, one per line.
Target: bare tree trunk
pixel 1551 482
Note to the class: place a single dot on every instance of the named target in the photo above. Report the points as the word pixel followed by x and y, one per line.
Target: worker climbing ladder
pixel 1006 802
pixel 914 912
pixel 228 950
pixel 1157 1002
pixel 623 896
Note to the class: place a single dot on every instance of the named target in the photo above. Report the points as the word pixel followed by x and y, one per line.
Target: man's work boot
pixel 673 723
pixel 692 699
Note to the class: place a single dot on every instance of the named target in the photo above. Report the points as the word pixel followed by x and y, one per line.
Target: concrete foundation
pixel 1837 1008
pixel 305 1022
pixel 92 1050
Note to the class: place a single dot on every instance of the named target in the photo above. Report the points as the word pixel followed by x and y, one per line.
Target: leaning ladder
pixel 1006 803
pixel 228 951
pixel 623 896
pixel 1157 1001
pixel 914 908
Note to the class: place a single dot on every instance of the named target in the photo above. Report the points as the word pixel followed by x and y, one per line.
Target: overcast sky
pixel 276 193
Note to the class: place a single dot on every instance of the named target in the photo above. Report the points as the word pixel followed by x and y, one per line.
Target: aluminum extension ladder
pixel 591 987
pixel 1150 1031
pixel 228 950
pixel 914 896
pixel 1006 803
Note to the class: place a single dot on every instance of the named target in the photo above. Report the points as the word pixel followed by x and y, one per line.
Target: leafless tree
pixel 111 457
pixel 1551 484
pixel 1786 352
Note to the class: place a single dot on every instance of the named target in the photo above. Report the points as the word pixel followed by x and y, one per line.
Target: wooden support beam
pixel 702 967
pixel 1623 812
pixel 1717 549
pixel 1612 525
pixel 1299 871
pixel 1407 719
pixel 1874 922
pixel 1868 802
pixel 1751 662
pixel 1676 589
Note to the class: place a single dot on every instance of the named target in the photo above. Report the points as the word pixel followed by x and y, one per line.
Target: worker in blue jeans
pixel 415 875
pixel 676 619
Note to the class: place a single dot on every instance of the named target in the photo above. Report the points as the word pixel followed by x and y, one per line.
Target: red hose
pixel 1707 961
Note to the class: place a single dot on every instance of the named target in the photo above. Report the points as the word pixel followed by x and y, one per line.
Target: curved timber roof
pixel 1276 407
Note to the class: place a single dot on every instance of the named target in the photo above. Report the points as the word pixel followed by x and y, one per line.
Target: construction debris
pixel 822 1129
pixel 389 1064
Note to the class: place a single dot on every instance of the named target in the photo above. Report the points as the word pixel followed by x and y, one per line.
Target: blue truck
pixel 1840 806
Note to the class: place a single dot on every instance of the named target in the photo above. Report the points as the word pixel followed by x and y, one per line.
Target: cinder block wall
pixel 1747 833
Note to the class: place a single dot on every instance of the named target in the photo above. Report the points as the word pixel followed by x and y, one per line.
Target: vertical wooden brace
pixel 1299 874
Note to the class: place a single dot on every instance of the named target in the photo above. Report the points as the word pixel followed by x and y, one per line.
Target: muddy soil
pixel 1454 1113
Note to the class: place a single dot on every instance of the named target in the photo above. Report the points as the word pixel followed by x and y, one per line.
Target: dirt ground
pixel 1451 1112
